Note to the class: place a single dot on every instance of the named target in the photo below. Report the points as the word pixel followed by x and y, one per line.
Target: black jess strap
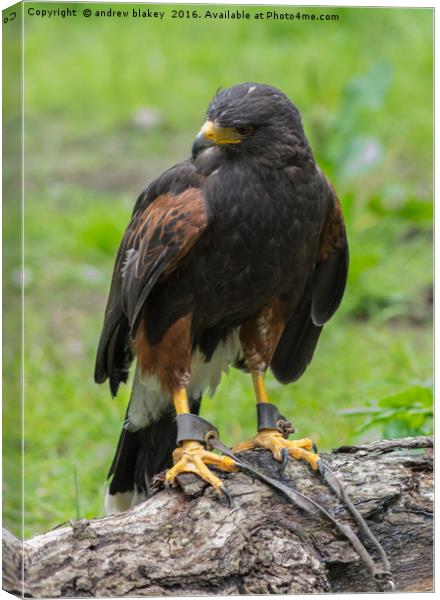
pixel 193 427
pixel 269 417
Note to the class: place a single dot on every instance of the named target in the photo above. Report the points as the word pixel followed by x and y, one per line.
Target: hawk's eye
pixel 244 131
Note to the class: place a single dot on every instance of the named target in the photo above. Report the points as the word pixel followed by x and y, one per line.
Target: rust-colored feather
pixel 169 222
pixel 160 236
pixel 259 337
pixel 169 361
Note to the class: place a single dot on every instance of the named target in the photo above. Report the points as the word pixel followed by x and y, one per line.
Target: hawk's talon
pixel 191 457
pixel 285 458
pixel 315 448
pixel 272 440
pixel 227 494
pixel 167 487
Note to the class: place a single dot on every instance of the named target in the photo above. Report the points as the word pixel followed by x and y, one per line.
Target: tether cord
pixel 334 484
pixel 382 576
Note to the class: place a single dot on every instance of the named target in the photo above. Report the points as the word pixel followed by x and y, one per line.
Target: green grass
pixel 367 109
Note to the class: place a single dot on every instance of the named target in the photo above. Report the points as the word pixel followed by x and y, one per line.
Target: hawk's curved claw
pixel 227 494
pixel 285 458
pixel 167 487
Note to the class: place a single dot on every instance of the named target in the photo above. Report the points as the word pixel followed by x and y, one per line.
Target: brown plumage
pixel 237 256
pixel 259 336
pixel 168 361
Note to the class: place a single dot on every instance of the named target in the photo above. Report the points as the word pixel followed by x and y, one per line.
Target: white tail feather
pixel 148 402
pixel 122 501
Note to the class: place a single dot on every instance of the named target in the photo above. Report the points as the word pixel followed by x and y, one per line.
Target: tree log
pixel 191 543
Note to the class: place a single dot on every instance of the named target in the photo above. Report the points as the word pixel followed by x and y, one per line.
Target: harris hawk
pixel 236 256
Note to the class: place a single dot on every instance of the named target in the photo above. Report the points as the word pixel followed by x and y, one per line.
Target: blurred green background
pixel 109 104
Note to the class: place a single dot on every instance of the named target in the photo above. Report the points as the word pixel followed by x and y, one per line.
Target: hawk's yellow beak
pixel 212 134
pixel 220 135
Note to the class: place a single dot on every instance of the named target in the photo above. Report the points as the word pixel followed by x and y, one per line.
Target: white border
pixel 328 3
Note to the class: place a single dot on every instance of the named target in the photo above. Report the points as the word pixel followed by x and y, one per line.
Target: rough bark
pixel 193 544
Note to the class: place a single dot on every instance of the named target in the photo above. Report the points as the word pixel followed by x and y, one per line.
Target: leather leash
pixel 381 574
pixel 193 427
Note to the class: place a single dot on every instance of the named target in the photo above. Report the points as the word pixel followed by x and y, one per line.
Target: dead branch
pixel 192 544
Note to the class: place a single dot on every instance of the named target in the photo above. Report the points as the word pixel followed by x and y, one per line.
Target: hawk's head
pixel 254 119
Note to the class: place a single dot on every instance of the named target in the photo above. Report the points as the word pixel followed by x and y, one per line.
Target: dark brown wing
pixel 300 337
pixel 159 238
pixel 167 220
pixel 332 265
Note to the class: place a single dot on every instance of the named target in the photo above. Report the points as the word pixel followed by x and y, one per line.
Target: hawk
pixel 237 256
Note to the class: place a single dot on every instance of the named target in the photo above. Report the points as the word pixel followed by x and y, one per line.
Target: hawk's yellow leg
pixel 191 456
pixel 272 439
